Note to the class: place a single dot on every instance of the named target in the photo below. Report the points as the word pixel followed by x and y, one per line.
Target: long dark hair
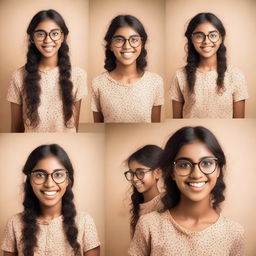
pixel 184 136
pixel 149 156
pixel 119 22
pixel 31 202
pixel 193 57
pixel 31 87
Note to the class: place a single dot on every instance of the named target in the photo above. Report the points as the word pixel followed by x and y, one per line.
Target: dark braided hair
pixel 31 86
pixel 31 203
pixel 184 136
pixel 119 22
pixel 149 156
pixel 193 57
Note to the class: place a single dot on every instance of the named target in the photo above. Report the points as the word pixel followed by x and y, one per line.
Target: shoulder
pixel 83 218
pixel 232 227
pixel 15 220
pixel 153 217
pixel 77 71
pixel 180 72
pixel 100 80
pixel 153 76
pixel 234 72
pixel 18 74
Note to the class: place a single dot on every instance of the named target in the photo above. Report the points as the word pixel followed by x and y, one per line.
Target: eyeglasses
pixel 41 176
pixel 184 167
pixel 200 37
pixel 139 173
pixel 119 41
pixel 40 35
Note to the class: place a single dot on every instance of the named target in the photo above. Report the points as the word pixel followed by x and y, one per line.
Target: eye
pixel 40 34
pixel 184 165
pixel 55 33
pixel 134 39
pixel 39 175
pixel 59 174
pixel 119 40
pixel 214 35
pixel 207 163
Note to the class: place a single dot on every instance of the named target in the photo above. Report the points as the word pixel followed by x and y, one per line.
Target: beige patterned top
pixel 50 109
pixel 158 234
pixel 124 102
pixel 154 204
pixel 206 102
pixel 51 237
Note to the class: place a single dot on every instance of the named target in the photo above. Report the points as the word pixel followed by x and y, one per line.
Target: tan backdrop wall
pixel 152 15
pixel 15 16
pixel 238 17
pixel 86 152
pixel 238 140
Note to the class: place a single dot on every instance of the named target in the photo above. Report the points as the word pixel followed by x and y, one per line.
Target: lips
pixel 127 55
pixel 197 184
pixel 138 184
pixel 48 48
pixel 207 48
pixel 48 193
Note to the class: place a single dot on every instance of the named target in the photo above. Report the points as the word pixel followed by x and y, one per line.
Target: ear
pixel 158 173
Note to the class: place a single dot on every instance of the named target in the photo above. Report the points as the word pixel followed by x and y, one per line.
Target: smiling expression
pixel 48 47
pixel 49 193
pixel 149 180
pixel 206 49
pixel 197 186
pixel 126 55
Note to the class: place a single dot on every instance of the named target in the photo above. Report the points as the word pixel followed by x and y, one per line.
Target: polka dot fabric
pixel 206 102
pixel 122 103
pixel 51 237
pixel 50 109
pixel 158 234
pixel 153 205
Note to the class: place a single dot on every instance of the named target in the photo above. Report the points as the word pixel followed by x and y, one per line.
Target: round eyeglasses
pixel 184 167
pixel 139 173
pixel 40 35
pixel 41 176
pixel 119 41
pixel 200 37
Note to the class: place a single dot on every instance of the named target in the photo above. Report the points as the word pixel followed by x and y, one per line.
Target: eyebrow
pixel 46 31
pixel 189 159
pixel 204 33
pixel 42 170
pixel 124 36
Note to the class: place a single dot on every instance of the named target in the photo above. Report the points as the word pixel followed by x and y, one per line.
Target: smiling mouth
pixel 206 48
pixel 50 193
pixel 127 54
pixel 48 48
pixel 196 184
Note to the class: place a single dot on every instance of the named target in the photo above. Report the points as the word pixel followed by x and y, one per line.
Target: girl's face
pixel 48 38
pixel 149 180
pixel 196 186
pixel 206 40
pixel 126 45
pixel 49 193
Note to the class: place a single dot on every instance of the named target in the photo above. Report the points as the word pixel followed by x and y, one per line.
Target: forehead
pixel 126 31
pixel 195 151
pixel 205 27
pixel 49 164
pixel 47 25
pixel 133 165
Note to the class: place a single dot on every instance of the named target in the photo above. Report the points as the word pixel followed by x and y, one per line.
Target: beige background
pixel 86 152
pixel 15 16
pixel 238 17
pixel 152 15
pixel 238 140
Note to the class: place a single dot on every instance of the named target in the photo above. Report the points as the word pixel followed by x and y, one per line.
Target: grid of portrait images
pixel 128 128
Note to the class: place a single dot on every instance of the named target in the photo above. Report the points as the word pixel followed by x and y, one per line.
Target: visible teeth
pixel 127 54
pixel 196 184
pixel 50 193
pixel 207 49
pixel 138 183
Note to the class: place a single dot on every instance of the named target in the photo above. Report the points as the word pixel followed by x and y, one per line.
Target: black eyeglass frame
pixel 144 170
pixel 194 164
pixel 127 39
pixel 204 35
pixel 48 174
pixel 46 34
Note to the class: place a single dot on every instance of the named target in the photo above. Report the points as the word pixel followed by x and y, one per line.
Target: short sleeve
pixel 238 246
pixel 140 244
pixel 240 89
pixel 95 104
pixel 15 88
pixel 175 91
pixel 80 83
pixel 159 96
pixel 9 243
pixel 90 236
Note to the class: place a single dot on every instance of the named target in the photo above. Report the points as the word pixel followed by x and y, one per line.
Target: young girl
pixel 126 92
pixel 144 174
pixel 207 87
pixel 46 93
pixel 190 224
pixel 49 224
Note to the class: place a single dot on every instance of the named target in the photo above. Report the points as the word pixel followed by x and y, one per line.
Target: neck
pixel 208 64
pixel 151 193
pixel 129 71
pixel 48 63
pixel 52 212
pixel 188 209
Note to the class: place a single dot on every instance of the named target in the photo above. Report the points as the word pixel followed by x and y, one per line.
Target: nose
pixel 196 172
pixel 47 39
pixel 207 40
pixel 126 44
pixel 49 182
